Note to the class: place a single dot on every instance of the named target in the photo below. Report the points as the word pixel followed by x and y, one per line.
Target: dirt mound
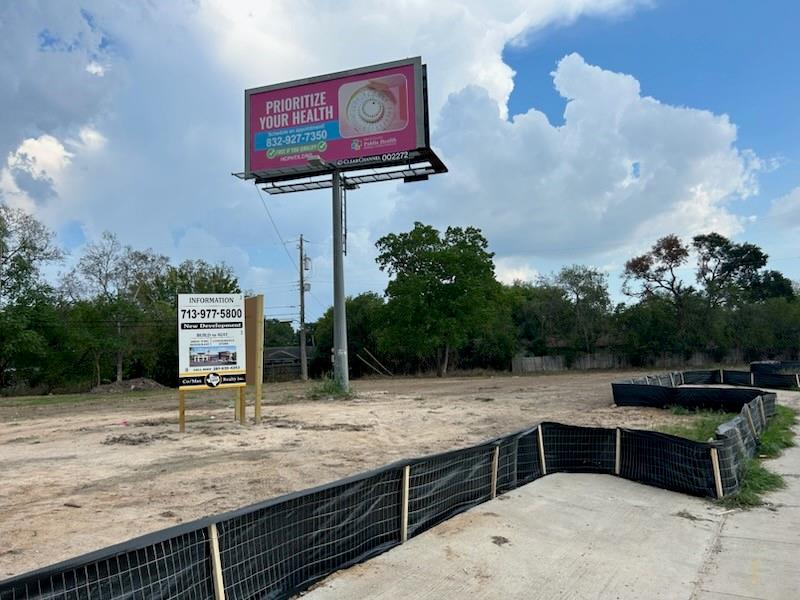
pixel 140 384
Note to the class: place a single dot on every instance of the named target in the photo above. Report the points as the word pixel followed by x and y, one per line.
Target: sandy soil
pixel 85 472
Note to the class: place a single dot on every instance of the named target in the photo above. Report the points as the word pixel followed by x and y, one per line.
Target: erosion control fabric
pixel 280 547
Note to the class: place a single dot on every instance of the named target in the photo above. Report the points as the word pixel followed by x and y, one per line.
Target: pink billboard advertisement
pixel 364 117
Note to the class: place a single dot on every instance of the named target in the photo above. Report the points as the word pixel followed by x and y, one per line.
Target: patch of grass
pixel 328 387
pixel 778 435
pixel 756 481
pixel 702 426
pixel 676 409
pixel 54 399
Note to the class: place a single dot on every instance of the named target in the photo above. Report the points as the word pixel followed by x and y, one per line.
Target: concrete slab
pixel 564 536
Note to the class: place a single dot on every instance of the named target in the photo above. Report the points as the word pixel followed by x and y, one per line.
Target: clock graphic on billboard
pixel 375 105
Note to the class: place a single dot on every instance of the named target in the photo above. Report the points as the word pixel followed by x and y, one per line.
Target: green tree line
pixel 113 315
pixel 443 307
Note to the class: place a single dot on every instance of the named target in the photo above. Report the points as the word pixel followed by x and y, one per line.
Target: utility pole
pixel 303 358
pixel 340 369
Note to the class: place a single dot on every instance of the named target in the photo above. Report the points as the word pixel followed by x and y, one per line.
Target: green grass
pixel 756 481
pixel 702 426
pixel 328 387
pixel 54 399
pixel 778 435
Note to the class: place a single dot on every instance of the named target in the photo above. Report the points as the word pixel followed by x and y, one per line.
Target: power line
pixel 275 227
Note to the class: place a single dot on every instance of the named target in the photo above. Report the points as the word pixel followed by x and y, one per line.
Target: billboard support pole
pixel 340 367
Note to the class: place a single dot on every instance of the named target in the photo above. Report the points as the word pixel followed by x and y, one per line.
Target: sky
pixel 575 131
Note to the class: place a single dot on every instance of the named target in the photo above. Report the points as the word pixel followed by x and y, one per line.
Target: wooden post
pixel 260 357
pixel 404 505
pixel 541 450
pixel 242 409
pixel 618 456
pixel 182 411
pixel 797 379
pixel 717 476
pixel 647 379
pixel 683 379
pixel 752 379
pixel 750 420
pixel 721 376
pixel 237 408
pixel 216 563
pixel 672 380
pixel 495 463
pixel 763 412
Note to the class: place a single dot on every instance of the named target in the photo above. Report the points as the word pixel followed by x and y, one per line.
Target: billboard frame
pixel 423 152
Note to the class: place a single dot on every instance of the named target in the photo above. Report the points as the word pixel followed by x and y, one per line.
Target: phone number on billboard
pixel 296 138
pixel 211 313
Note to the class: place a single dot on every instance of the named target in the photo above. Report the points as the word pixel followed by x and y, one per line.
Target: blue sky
pixel 576 131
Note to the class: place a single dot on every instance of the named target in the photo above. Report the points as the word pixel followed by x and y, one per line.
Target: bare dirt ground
pixel 82 472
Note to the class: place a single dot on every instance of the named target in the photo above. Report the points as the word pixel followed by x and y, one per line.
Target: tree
pixel 587 289
pixel 725 269
pixel 365 314
pixel 279 333
pixel 441 289
pixel 118 277
pixel 540 312
pixel 25 245
pixel 655 271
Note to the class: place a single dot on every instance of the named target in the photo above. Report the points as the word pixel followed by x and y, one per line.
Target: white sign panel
pixel 211 351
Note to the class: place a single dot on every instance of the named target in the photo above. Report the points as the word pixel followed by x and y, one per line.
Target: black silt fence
pixel 277 548
pixel 572 449
pixel 667 461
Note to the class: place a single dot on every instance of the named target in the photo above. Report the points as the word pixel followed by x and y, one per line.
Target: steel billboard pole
pixel 340 367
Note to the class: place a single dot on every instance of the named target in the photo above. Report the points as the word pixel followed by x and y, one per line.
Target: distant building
pixel 282 363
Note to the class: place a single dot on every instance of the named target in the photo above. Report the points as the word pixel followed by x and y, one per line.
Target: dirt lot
pixel 80 473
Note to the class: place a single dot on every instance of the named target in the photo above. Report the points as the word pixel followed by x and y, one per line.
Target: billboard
pixel 361 118
pixel 211 341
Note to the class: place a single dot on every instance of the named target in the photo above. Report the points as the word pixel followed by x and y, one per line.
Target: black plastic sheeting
pixel 729 399
pixel 572 449
pixel 667 461
pixel 275 549
pixel 174 563
pixel 775 366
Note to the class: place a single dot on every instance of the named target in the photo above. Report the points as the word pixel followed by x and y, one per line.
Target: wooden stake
pixel 717 476
pixel 182 411
pixel 404 505
pixel 259 357
pixel 541 450
pixel 216 563
pixel 750 420
pixel 672 380
pixel 237 408
pixel 721 376
pixel 763 412
pixel 242 409
pixel 618 458
pixel 683 379
pixel 797 379
pixel 495 463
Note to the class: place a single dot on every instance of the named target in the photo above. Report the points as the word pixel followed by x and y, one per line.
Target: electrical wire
pixel 275 227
